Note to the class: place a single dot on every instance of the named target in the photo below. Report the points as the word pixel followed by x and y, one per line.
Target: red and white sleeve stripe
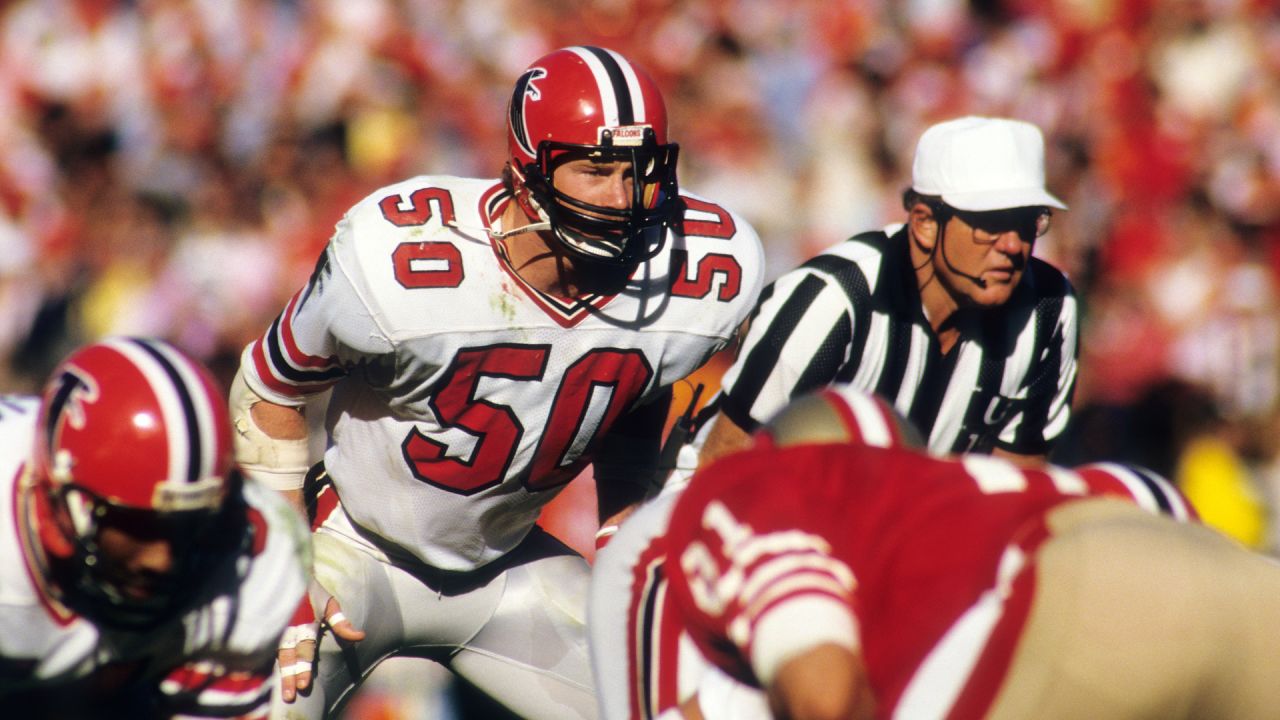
pixel 283 366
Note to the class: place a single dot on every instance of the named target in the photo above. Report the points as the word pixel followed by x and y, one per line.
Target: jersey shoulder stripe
pixel 283 366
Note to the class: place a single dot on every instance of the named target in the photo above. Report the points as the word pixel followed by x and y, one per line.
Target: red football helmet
pixel 132 434
pixel 840 413
pixel 590 102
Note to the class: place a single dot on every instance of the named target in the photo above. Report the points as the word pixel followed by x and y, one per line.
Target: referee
pixel 948 316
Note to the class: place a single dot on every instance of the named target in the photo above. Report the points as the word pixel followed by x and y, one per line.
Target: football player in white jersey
pixel 486 339
pixel 140 575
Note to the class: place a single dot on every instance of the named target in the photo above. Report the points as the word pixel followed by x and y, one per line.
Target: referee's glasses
pixel 1029 222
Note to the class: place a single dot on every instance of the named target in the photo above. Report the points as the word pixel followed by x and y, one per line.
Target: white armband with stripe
pixel 797 625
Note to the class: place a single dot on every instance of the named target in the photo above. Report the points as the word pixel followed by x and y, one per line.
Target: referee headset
pixel 942 214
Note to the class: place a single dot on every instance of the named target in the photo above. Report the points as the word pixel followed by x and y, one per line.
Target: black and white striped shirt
pixel 853 314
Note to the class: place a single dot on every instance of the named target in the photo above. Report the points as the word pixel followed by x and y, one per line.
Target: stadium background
pixel 173 167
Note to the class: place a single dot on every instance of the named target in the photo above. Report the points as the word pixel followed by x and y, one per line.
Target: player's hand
pixel 339 624
pixel 297 651
pixel 298 645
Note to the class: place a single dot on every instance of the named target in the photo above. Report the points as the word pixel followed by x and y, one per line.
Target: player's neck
pixel 533 257
pixel 540 262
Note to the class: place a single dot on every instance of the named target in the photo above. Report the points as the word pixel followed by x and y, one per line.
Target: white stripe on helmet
pixel 173 416
pixel 609 100
pixel 206 424
pixel 871 419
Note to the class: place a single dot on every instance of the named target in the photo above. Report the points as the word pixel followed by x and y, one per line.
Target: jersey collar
pixel 566 312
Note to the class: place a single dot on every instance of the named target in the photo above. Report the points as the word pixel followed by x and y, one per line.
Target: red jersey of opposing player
pixel 921 565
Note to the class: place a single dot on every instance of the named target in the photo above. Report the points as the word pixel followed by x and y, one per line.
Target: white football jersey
pixel 215 658
pixel 464 399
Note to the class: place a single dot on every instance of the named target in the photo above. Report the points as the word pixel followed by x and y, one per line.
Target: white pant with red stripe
pixel 516 630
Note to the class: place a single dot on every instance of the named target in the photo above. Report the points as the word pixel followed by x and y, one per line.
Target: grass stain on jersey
pixel 503 302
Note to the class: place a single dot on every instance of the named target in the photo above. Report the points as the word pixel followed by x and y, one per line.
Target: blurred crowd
pixel 173 167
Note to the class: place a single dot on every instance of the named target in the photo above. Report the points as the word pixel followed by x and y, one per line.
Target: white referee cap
pixel 981 163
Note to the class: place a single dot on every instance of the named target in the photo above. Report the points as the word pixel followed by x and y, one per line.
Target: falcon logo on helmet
pixel 588 102
pixel 525 91
pixel 69 392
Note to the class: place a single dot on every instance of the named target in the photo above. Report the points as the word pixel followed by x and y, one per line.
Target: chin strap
pixel 533 227
pixel 526 204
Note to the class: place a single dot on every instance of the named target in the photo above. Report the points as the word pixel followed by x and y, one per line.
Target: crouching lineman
pixel 140 577
pixel 646 664
pixel 852 581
